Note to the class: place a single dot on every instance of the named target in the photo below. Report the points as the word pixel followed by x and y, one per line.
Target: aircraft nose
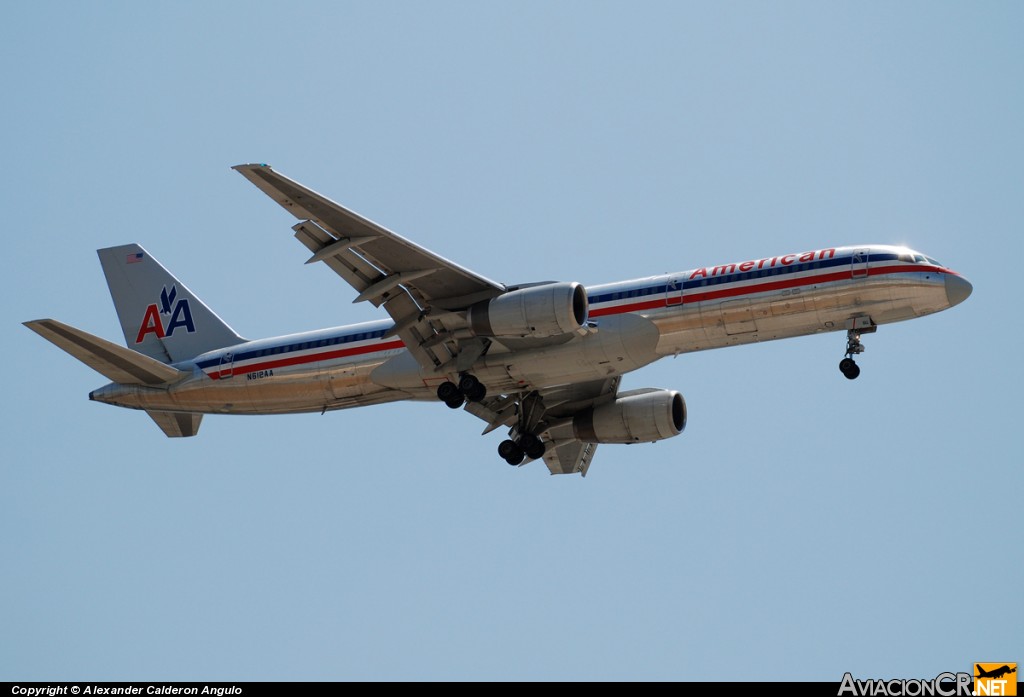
pixel 958 289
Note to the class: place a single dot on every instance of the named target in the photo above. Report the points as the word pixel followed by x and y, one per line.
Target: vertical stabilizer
pixel 159 315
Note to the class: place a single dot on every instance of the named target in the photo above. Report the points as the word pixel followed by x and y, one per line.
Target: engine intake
pixel 638 416
pixel 552 309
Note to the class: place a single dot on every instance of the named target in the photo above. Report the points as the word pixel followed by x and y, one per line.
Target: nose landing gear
pixel 854 328
pixel 849 368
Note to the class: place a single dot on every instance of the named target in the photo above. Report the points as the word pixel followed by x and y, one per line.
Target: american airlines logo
pixel 178 315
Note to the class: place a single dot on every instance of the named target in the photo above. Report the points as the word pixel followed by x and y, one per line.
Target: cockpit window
pixel 908 258
pixel 919 258
pixel 933 262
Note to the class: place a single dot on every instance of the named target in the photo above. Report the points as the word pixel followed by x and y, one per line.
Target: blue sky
pixel 801 527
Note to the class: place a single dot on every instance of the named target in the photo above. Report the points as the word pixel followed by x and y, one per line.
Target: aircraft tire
pixel 532 446
pixel 536 449
pixel 468 383
pixel 511 453
pixel 506 448
pixel 516 458
pixel 447 391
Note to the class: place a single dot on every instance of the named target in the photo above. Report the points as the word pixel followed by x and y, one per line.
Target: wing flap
pixel 342 260
pixel 119 364
pixel 569 456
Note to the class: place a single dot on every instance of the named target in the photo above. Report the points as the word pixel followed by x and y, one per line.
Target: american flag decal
pixel 134 258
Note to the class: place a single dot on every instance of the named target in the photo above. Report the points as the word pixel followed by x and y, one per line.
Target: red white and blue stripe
pixel 729 281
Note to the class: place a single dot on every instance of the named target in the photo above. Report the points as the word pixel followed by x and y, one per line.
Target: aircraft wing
pixel 414 285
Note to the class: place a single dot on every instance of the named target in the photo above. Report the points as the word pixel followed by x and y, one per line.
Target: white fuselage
pixel 632 323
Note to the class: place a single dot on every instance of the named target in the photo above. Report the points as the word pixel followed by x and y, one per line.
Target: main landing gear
pixel 522 440
pixel 456 395
pixel 525 446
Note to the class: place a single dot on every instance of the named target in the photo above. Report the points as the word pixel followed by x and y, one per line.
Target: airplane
pixel 542 360
pixel 996 673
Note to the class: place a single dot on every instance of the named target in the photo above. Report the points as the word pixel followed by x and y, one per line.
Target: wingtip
pixel 251 165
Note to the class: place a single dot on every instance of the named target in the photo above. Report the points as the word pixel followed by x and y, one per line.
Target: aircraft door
pixel 227 366
pixel 859 263
pixel 674 292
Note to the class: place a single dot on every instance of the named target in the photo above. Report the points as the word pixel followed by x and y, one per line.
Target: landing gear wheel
pixel 472 388
pixel 506 448
pixel 536 450
pixel 855 327
pixel 511 453
pixel 447 391
pixel 849 368
pixel 526 440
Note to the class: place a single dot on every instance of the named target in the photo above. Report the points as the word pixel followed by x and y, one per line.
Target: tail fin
pixel 160 317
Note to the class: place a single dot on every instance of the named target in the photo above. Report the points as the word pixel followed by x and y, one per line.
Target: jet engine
pixel 552 309
pixel 638 416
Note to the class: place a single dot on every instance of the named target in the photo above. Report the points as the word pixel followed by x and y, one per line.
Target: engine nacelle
pixel 639 416
pixel 553 309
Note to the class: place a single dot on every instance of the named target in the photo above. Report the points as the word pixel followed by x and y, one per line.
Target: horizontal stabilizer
pixel 119 364
pixel 177 424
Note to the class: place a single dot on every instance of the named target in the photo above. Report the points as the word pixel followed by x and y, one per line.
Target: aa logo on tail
pixel 179 315
pixel 995 679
